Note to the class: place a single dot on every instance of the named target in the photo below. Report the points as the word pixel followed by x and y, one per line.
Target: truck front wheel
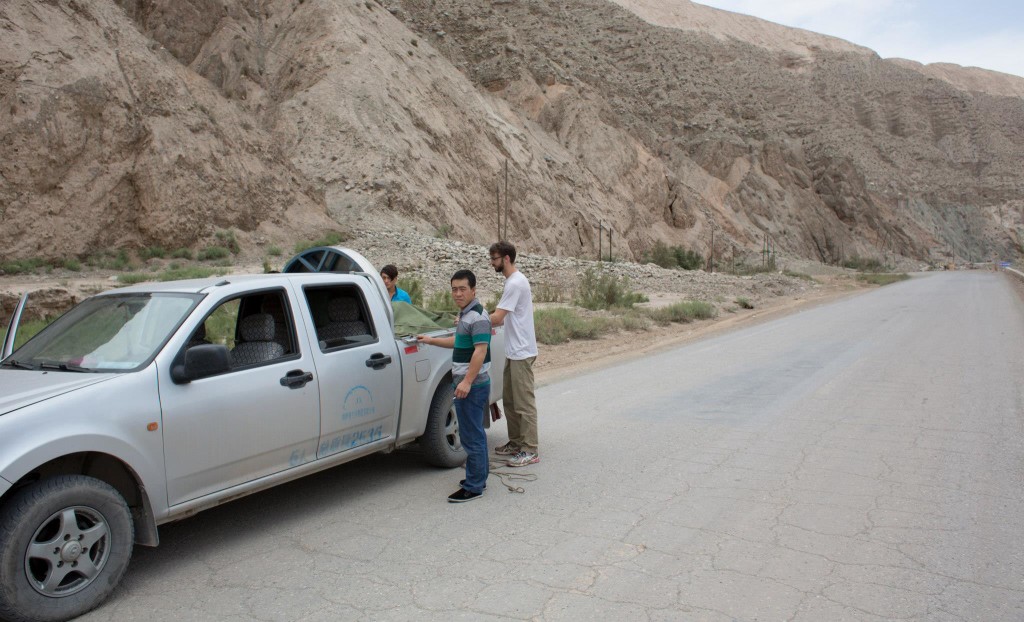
pixel 441 444
pixel 64 544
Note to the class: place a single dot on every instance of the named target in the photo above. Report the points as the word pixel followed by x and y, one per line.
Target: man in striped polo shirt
pixel 471 360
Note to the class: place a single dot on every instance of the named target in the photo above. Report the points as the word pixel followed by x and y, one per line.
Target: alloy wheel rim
pixel 68 551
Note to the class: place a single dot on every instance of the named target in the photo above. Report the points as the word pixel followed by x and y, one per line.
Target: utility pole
pixel 610 245
pixel 711 260
pixel 600 240
pixel 506 202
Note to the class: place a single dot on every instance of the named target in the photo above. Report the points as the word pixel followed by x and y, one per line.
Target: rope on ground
pixel 506 477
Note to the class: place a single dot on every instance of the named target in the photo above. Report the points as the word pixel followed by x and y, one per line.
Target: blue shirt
pixel 401 295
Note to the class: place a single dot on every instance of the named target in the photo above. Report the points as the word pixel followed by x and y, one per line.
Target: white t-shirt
pixel 517 300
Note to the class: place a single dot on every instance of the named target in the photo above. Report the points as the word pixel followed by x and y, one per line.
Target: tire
pixel 442 446
pixel 40 584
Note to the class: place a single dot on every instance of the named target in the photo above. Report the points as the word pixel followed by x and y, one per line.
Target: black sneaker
pixel 462 495
pixel 462 483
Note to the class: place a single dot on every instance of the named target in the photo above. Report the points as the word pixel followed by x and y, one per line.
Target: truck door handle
pixel 378 361
pixel 296 379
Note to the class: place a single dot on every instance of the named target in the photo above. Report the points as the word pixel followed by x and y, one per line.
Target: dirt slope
pixel 157 122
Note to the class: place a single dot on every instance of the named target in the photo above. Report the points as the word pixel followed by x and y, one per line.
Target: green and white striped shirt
pixel 473 327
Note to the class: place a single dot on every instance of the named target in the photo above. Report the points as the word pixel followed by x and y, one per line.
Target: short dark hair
pixel 504 249
pixel 391 271
pixel 465 274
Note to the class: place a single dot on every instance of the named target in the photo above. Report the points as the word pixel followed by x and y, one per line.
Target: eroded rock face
pixel 133 123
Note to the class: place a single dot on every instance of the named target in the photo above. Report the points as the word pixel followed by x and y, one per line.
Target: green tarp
pixel 410 320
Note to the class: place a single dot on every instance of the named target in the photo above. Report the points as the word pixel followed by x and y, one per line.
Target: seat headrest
pixel 257 327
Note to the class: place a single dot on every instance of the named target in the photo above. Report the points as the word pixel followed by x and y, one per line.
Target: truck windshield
pixel 107 333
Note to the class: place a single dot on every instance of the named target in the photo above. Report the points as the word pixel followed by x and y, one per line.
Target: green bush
pixel 682 312
pixel 227 238
pixel 555 326
pixel 443 231
pixel 688 260
pixel 414 288
pixel 134 277
pixel 19 266
pixel 213 252
pixel 673 257
pixel 546 292
pixel 191 272
pixel 274 251
pixel 182 253
pixel 663 255
pixel 108 260
pixel 744 303
pixel 601 290
pixel 71 264
pixel 152 252
pixel 441 302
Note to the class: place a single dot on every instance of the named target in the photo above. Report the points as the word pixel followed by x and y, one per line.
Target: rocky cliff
pixel 141 122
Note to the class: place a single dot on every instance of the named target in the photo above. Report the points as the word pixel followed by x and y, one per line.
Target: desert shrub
pixel 189 272
pixel 274 251
pixel 134 277
pixel 413 287
pixel 683 312
pixel 601 290
pixel 182 253
pixel 663 256
pixel 227 238
pixel 555 326
pixel 71 264
pixel 744 303
pixel 546 292
pixel 687 259
pixel 213 252
pixel 882 279
pixel 151 252
pixel 864 264
pixel 19 266
pixel 109 260
pixel 440 302
pixel 634 320
pixel 443 231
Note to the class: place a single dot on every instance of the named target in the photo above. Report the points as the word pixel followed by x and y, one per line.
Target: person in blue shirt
pixel 390 275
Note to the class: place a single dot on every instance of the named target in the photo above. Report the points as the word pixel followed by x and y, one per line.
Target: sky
pixel 972 33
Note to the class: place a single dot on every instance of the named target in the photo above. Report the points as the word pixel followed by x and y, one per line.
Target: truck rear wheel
pixel 441 444
pixel 65 542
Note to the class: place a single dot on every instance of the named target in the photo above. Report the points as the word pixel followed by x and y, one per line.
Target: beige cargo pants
pixel 520 404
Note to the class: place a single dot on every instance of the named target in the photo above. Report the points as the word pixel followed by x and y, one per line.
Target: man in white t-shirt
pixel 515 312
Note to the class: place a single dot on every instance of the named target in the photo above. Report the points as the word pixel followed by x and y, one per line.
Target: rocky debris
pixel 433 260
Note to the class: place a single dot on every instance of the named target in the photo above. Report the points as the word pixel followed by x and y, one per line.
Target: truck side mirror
pixel 200 362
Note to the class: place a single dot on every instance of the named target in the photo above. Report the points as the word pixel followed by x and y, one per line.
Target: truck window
pixel 256 328
pixel 341 316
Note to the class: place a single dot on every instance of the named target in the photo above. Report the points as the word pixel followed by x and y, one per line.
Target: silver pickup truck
pixel 147 404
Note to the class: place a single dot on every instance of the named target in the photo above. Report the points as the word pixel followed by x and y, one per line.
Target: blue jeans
pixel 470 411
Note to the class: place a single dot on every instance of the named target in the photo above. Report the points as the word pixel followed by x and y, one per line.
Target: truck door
pixel 260 417
pixel 357 361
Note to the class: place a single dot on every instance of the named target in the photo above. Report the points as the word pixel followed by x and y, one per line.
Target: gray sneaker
pixel 523 458
pixel 508 449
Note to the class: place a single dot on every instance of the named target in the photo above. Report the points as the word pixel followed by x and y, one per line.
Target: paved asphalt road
pixel 862 460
